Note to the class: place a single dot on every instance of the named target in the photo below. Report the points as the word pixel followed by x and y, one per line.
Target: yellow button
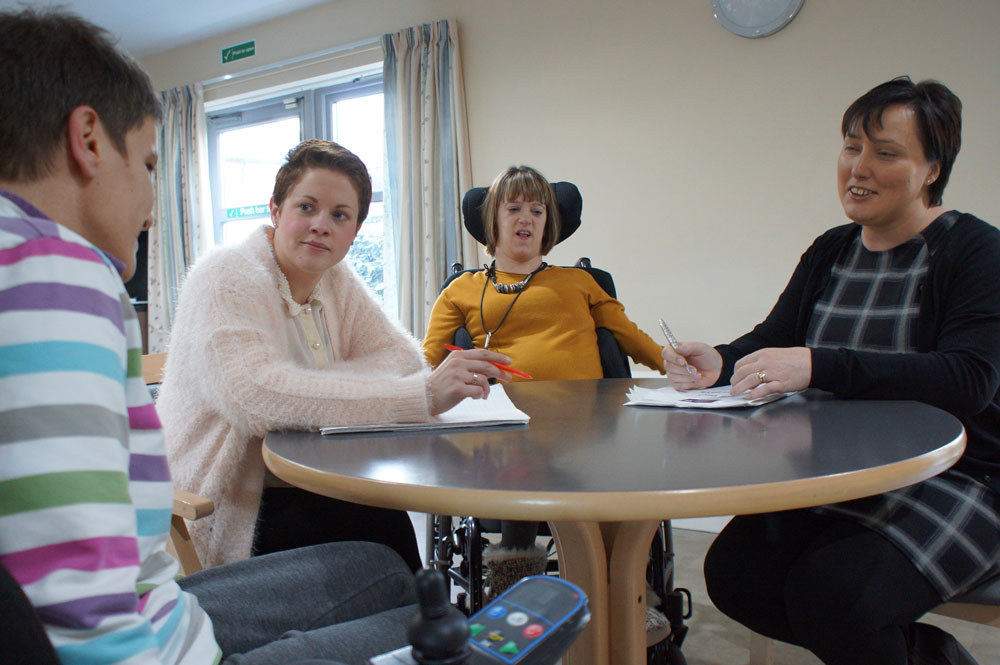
pixel 495 636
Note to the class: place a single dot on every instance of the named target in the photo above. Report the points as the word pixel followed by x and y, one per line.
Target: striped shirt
pixel 85 492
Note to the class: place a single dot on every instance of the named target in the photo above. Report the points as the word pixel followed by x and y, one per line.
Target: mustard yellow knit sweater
pixel 549 333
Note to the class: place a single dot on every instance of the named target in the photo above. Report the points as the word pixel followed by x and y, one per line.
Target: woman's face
pixel 520 227
pixel 882 178
pixel 315 225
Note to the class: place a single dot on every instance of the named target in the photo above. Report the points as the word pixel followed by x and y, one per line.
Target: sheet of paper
pixel 706 398
pixel 497 409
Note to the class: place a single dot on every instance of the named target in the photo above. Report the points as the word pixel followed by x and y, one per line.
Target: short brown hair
pixel 316 153
pixel 52 62
pixel 530 185
pixel 939 121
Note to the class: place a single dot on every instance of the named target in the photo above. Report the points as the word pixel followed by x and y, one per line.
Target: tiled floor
pixel 714 639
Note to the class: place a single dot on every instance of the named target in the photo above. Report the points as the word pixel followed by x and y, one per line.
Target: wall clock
pixel 755 18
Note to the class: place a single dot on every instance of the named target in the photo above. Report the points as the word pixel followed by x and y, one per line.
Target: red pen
pixel 509 370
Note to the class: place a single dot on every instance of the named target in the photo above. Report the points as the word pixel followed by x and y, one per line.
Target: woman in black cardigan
pixel 903 303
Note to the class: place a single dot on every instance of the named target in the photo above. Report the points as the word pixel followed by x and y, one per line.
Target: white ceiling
pixel 147 27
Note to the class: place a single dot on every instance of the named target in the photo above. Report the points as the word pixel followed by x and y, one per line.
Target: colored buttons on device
pixel 533 631
pixel 475 629
pixel 496 611
pixel 510 647
pixel 517 618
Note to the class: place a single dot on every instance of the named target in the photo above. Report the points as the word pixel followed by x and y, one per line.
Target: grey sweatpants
pixel 344 602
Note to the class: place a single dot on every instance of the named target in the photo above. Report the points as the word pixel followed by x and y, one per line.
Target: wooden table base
pixel 608 561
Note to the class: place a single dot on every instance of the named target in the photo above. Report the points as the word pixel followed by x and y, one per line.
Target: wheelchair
pixel 465 539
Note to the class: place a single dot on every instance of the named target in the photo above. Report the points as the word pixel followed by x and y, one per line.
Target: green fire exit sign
pixel 247 211
pixel 238 52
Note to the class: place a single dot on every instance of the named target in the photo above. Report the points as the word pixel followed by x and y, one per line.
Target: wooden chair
pixel 152 367
pixel 981 605
pixel 187 506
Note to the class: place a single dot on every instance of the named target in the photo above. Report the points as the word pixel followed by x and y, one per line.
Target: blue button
pixel 496 611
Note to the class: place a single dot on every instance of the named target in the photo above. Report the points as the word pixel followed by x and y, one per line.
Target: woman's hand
pixel 773 371
pixel 693 365
pixel 464 374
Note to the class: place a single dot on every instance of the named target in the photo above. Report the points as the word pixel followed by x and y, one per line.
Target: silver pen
pixel 672 341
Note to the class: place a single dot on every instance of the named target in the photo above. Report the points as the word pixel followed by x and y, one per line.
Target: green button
pixel 475 629
pixel 510 647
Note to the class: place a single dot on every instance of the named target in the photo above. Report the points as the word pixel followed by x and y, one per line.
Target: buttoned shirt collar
pixel 294 308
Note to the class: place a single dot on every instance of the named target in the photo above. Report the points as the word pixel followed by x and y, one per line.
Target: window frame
pixel 312 105
pixel 245 115
pixel 323 97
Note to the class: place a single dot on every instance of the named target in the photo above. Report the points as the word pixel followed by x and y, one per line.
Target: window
pixel 248 143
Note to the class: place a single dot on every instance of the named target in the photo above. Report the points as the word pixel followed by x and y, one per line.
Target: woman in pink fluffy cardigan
pixel 280 333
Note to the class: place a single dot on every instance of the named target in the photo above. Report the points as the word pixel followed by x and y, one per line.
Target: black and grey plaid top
pixel 948 525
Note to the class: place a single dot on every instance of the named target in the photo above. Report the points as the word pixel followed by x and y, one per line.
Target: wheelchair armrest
pixel 614 362
pixel 463 339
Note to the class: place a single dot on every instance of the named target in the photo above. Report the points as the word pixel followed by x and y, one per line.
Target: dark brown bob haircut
pixel 52 62
pixel 530 185
pixel 939 121
pixel 319 154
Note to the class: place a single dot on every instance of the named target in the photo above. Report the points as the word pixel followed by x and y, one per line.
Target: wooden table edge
pixel 622 506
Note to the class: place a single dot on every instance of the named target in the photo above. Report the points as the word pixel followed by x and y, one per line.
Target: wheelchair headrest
pixel 568 200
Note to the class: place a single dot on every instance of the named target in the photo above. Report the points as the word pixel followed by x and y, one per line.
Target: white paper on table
pixel 706 398
pixel 496 409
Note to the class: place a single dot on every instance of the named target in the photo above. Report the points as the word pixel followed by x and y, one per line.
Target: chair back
pixel 152 367
pixel 187 506
pixel 568 200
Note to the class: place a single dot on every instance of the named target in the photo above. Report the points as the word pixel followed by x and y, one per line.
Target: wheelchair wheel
pixel 665 653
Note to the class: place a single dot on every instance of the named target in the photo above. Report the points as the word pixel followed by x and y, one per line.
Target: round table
pixel 604 475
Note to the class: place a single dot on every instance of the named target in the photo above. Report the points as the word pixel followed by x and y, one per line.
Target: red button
pixel 532 631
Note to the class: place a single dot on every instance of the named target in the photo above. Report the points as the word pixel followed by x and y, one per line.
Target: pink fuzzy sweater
pixel 230 378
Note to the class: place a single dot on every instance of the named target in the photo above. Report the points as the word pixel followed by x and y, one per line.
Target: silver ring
pixel 475 377
pixel 762 376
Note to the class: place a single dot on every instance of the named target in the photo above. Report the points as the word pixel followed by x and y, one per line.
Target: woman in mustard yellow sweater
pixel 543 317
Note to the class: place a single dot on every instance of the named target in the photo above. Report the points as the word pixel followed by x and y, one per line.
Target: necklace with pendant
pixel 517 287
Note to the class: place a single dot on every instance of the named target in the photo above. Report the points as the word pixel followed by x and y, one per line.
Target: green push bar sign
pixel 238 52
pixel 247 211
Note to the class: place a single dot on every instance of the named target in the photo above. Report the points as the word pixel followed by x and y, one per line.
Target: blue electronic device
pixel 532 623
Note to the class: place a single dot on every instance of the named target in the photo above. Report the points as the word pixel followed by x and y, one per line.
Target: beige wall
pixel 706 160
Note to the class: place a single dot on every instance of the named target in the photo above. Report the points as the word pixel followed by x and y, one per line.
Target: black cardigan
pixel 957 363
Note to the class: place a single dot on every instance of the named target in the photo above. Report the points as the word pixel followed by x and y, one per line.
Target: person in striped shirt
pixel 85 490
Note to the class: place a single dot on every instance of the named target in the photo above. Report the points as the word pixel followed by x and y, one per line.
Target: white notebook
pixel 497 409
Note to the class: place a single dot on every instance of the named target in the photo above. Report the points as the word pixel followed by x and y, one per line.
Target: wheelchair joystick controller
pixel 532 623
pixel 440 633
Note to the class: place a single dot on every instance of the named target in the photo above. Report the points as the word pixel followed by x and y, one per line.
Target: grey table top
pixel 585 456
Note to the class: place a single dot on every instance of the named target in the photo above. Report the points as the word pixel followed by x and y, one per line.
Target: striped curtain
pixel 183 222
pixel 427 149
